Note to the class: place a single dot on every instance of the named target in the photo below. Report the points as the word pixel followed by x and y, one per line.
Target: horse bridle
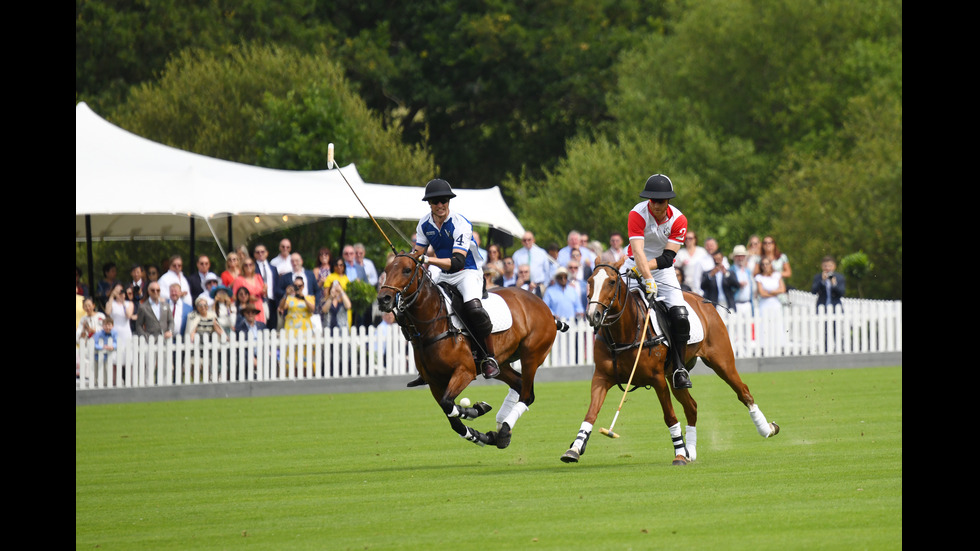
pixel 404 301
pixel 621 287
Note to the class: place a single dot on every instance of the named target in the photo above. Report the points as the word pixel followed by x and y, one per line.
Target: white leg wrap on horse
pixel 678 440
pixel 691 436
pixel 583 433
pixel 454 412
pixel 759 419
pixel 515 414
pixel 512 398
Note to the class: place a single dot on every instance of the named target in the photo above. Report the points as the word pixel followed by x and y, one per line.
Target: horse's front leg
pixel 446 397
pixel 681 454
pixel 600 387
pixel 690 406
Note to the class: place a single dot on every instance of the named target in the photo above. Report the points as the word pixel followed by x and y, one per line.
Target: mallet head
pixel 609 433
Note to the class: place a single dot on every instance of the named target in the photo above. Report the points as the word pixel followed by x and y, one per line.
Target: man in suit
pixel 270 276
pixel 719 284
pixel 828 285
pixel 179 310
pixel 138 283
pixel 197 279
pixel 154 319
pixel 286 279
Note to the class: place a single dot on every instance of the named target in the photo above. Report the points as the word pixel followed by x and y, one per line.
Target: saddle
pixel 495 306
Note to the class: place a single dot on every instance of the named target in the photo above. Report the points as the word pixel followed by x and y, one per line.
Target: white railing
pixel 863 326
pixel 800 330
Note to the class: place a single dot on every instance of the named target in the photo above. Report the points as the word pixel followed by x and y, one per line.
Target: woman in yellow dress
pixel 297 307
pixel 297 310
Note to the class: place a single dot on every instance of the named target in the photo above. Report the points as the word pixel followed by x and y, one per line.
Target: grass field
pixel 384 471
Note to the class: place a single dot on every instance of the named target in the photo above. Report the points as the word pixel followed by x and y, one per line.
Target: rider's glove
pixel 650 287
pixel 635 272
pixel 423 259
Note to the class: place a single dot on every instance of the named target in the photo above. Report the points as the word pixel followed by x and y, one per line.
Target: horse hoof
pixel 774 428
pixel 679 460
pixel 571 456
pixel 503 437
pixel 482 407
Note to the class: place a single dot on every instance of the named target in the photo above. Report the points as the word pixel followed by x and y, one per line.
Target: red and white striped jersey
pixel 655 234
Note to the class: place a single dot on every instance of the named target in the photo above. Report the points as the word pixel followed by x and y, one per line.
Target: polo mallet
pixel 331 163
pixel 609 432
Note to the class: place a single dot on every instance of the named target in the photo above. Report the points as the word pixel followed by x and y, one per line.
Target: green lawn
pixel 384 471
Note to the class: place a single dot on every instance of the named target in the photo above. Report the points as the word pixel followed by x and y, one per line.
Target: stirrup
pixel 681 378
pixel 419 381
pixel 490 368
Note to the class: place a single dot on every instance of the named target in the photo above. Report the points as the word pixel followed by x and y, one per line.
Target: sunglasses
pixel 442 201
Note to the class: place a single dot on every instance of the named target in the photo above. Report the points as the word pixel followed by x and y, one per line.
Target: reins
pixel 405 300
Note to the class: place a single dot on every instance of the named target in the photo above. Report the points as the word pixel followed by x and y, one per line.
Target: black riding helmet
pixel 658 186
pixel 438 188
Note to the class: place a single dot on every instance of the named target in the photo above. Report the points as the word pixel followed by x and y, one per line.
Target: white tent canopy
pixel 134 188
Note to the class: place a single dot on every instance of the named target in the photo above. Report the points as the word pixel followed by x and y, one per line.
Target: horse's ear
pixel 619 263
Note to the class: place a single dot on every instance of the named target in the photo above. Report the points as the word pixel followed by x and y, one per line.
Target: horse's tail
pixel 562 326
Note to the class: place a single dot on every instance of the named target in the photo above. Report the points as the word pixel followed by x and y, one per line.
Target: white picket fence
pixel 862 326
pixel 800 330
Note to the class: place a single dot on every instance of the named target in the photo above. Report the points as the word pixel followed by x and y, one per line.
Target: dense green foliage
pixel 780 117
pixel 383 470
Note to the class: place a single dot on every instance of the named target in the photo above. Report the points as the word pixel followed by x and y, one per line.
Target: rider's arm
pixel 666 260
pixel 640 257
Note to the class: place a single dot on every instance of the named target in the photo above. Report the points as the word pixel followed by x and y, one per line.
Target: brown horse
pixel 443 354
pixel 619 314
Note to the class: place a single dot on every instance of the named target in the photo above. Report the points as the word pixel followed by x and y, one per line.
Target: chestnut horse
pixel 618 315
pixel 443 354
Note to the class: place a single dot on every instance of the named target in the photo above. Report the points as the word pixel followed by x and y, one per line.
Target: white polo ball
pixel 465 402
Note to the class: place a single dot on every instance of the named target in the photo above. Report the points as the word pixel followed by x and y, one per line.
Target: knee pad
pixel 478 318
pixel 679 322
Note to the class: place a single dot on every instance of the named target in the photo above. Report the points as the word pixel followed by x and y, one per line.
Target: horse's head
pixel 400 282
pixel 607 295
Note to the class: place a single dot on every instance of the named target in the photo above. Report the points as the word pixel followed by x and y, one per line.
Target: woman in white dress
pixel 769 285
pixel 121 311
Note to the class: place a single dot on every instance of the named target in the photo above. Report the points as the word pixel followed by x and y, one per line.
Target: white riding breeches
pixel 469 283
pixel 668 288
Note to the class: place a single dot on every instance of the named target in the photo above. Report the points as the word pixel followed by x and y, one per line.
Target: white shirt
pixel 179 315
pixel 155 306
pixel 371 272
pixel 280 260
pixel 265 270
pixel 537 259
pixel 169 278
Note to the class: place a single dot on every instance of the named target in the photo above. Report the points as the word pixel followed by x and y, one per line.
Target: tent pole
pixel 88 256
pixel 192 257
pixel 343 238
pixel 231 245
pixel 216 240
